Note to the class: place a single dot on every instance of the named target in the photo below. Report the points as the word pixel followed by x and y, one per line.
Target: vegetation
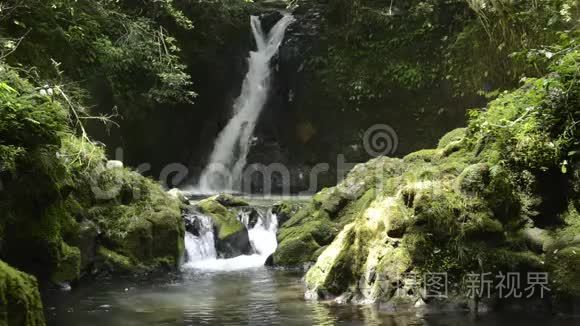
pixel 19 298
pixel 502 194
pixel 466 210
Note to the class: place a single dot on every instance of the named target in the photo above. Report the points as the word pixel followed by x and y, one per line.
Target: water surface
pixel 258 296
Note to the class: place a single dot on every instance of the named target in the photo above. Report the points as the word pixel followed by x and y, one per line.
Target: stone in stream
pixel 232 237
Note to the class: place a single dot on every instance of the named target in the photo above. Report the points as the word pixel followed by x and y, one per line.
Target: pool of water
pixel 258 296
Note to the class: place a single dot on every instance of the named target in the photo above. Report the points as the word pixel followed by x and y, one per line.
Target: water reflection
pixel 249 297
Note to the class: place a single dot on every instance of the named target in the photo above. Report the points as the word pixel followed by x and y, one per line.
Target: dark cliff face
pixel 307 120
pixel 306 123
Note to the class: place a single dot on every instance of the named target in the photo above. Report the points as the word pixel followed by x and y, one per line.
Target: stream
pixel 255 296
pixel 238 291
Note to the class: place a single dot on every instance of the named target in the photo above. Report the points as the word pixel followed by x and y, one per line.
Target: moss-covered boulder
pixel 232 236
pixel 284 210
pixel 228 200
pixel 316 224
pixel 477 203
pixel 60 202
pixel 138 219
pixel 20 303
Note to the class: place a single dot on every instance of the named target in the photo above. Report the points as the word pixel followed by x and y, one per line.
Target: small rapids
pixel 202 255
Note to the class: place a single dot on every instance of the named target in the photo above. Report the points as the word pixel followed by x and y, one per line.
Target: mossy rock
pixel 145 224
pixel 284 210
pixel 225 220
pixel 453 136
pixel 313 227
pixel 232 236
pixel 317 223
pixel 228 200
pixel 69 265
pixel 20 303
pixel 424 155
pixel 474 180
pixel 115 263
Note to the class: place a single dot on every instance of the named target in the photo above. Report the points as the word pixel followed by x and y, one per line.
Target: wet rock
pixel 285 210
pixel 251 215
pixel 228 200
pixel 177 194
pixel 193 225
pixel 270 19
pixel 270 260
pixel 231 235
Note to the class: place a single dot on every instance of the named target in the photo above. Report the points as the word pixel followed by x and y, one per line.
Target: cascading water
pixel 231 148
pixel 201 252
pixel 202 246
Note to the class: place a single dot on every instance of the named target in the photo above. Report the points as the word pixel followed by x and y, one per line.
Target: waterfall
pixel 228 159
pixel 202 246
pixel 201 252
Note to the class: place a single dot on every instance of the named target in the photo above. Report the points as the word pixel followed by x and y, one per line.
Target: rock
pixel 269 19
pixel 228 200
pixel 86 241
pixel 316 223
pixel 361 254
pixel 474 179
pixel 285 210
pixel 193 225
pixel 69 264
pixel 451 137
pixel 178 194
pixel 20 301
pixel 231 235
pixel 270 261
pixel 148 229
pixel 114 263
pixel 114 165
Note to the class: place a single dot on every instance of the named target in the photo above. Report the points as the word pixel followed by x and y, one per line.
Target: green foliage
pixel 26 117
pixel 510 39
pixel 533 127
pixel 116 42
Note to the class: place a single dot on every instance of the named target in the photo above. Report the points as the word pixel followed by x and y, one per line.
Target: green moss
pixel 451 137
pixel 314 226
pixel 474 180
pixel 424 155
pixel 229 200
pixel 139 219
pixel 68 268
pixel 115 262
pixel 226 220
pixel 20 303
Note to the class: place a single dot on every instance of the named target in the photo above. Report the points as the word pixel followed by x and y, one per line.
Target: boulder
pixel 231 235
pixel 228 200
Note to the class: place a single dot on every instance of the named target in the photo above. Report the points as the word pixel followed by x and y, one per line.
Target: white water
pixel 201 247
pixel 262 238
pixel 231 148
